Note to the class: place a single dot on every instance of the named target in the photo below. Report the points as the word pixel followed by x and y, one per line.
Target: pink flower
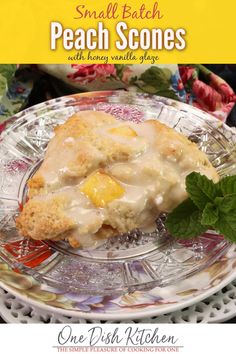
pixel 2 127
pixel 87 73
pixel 186 73
pixel 126 74
pixel 180 85
pixel 206 96
pixel 223 88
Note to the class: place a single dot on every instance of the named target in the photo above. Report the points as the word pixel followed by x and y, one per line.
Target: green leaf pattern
pixel 156 81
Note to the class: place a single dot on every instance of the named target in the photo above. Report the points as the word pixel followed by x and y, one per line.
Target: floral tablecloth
pixel 193 84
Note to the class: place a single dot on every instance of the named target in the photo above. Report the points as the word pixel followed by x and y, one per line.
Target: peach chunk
pixel 101 188
pixel 123 131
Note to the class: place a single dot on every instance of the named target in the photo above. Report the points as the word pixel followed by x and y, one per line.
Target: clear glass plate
pixel 133 261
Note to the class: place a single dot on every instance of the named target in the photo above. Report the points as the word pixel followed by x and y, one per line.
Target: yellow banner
pixel 134 31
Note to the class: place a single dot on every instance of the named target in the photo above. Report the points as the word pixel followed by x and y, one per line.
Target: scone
pixel 101 177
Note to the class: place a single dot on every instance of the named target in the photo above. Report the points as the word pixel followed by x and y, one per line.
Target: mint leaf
pixel 209 215
pixel 200 189
pixel 231 219
pixel 226 225
pixel 184 220
pixel 227 185
pixel 227 203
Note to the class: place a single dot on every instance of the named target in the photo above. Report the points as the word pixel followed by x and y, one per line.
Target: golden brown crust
pixel 85 149
pixel 42 219
pixel 35 185
pixel 176 146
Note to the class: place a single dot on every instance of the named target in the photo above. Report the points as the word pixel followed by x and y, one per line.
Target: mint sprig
pixel 228 185
pixel 185 220
pixel 200 189
pixel 210 205
pixel 210 215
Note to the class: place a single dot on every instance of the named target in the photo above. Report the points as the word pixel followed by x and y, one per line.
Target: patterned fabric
pixel 207 91
pixel 13 93
pixel 160 80
pixel 192 84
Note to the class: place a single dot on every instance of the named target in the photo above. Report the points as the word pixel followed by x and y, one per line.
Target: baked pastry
pixel 101 177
